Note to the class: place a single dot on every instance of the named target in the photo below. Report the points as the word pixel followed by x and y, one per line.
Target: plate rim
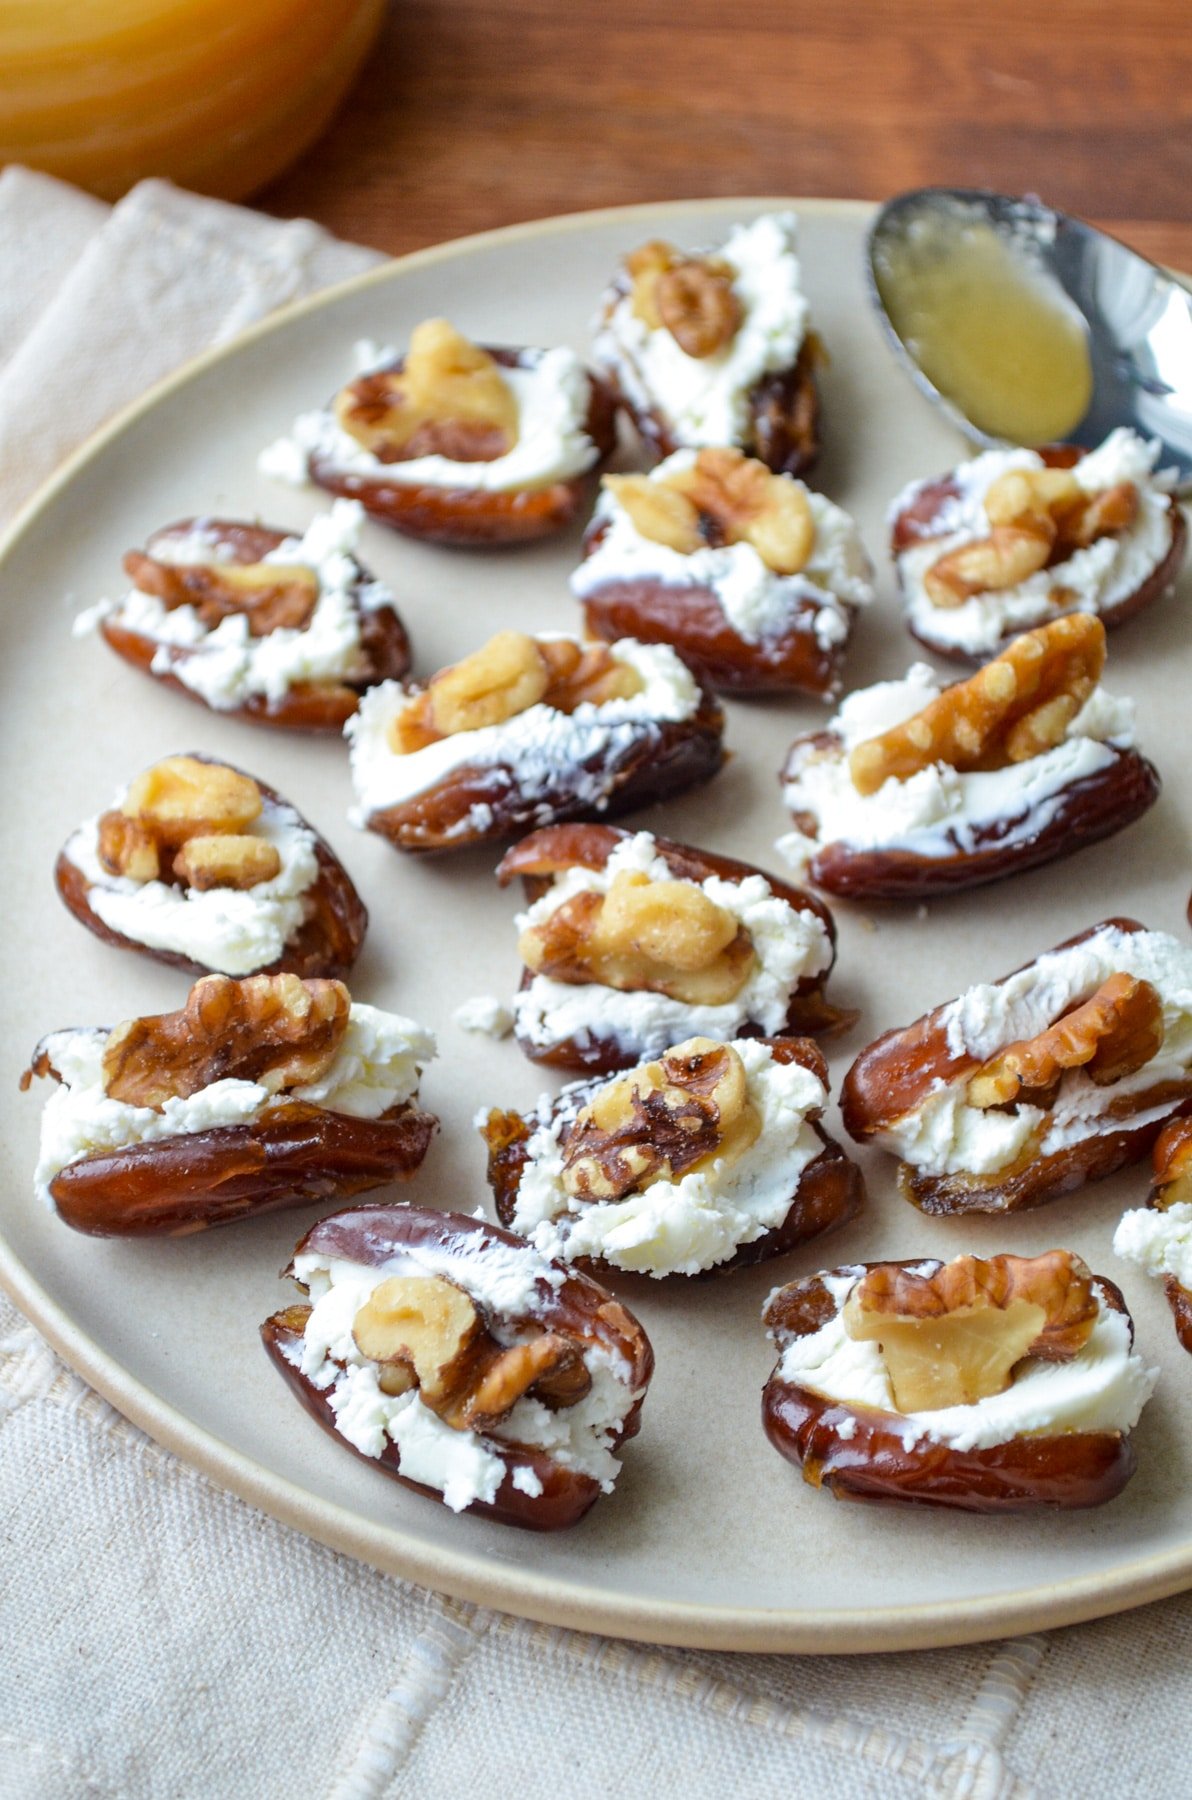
pixel 469 1576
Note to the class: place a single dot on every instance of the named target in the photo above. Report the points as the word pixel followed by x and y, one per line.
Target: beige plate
pixel 710 1538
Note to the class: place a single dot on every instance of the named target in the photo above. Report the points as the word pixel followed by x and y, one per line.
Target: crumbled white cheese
pixel 939 811
pixel 1098 576
pixel 706 400
pixel 678 1227
pixel 758 604
pixel 537 744
pixel 485 1015
pixel 788 944
pixel 232 931
pixel 465 1466
pixel 553 394
pixel 1159 1242
pixel 1104 1387
pixel 946 1136
pixel 377 1066
pixel 225 665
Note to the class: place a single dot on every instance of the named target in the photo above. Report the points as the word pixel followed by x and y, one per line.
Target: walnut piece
pixel 272 1029
pixel 449 399
pixel 660 1121
pixel 506 676
pixel 692 297
pixel 1037 516
pixel 1016 707
pixel 429 1334
pixel 188 817
pixel 954 1337
pixel 1173 1165
pixel 659 937
pixel 725 497
pixel 1110 1036
pixel 269 595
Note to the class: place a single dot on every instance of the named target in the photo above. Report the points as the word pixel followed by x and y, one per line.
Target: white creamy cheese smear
pixel 947 1136
pixel 224 664
pixel 705 400
pixel 1159 1242
pixel 377 1066
pixel 788 944
pixel 679 1227
pixel 464 1466
pixel 940 811
pixel 537 743
pixel 553 394
pixel 758 604
pixel 1098 576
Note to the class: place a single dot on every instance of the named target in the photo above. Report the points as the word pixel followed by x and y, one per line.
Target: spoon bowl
pixel 1125 323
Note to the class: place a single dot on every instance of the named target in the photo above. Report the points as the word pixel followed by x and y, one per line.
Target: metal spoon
pixel 1139 319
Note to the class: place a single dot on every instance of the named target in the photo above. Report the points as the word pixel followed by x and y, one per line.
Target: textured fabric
pixel 160 1640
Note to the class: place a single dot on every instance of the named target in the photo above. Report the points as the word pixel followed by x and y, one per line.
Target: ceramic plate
pixel 711 1538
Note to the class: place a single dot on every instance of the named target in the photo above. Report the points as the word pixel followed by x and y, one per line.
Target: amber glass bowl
pixel 218 95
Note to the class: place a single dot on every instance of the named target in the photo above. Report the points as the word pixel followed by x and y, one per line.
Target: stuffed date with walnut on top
pixel 199 865
pixel 257 1094
pixel 462 1362
pixel 710 1158
pixel 455 442
pixel 528 731
pixel 632 943
pixel 997 1385
pixel 277 629
pixel 913 790
pixel 1026 1088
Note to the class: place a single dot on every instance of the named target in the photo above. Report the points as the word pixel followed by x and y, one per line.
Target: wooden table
pixel 475 113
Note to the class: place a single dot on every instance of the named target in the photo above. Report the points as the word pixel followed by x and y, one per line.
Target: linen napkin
pixel 160 1638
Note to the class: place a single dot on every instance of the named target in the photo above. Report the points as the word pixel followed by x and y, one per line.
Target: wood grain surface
pixel 476 113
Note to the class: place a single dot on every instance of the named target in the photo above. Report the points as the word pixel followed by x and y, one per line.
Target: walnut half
pixel 1110 1036
pixel 953 1336
pixel 724 497
pixel 449 398
pixel 692 297
pixel 189 818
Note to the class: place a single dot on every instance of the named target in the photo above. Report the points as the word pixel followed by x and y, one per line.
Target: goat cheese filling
pixel 706 400
pixel 536 745
pixel 224 664
pixel 552 391
pixel 377 1066
pixel 677 1227
pixel 789 945
pixel 757 604
pixel 464 1466
pixel 1159 1242
pixel 1094 579
pixel 1104 1387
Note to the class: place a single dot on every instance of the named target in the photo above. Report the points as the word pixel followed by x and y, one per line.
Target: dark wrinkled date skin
pixel 894 1075
pixel 326 944
pixel 1087 810
pixel 475 517
pixel 305 706
pixel 693 620
pixel 578 1308
pixel 558 848
pixel 659 760
pixel 1170 1149
pixel 831 1189
pixel 868 1460
pixel 917 522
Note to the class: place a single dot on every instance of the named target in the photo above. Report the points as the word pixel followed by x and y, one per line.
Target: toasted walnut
pixel 1110 1036
pixel 229 861
pixel 692 297
pixel 449 399
pixel 506 676
pixel 272 1029
pixel 428 1333
pixel 659 512
pixel 954 1337
pixel 1037 516
pixel 1017 706
pixel 725 497
pixel 269 595
pixel 1173 1165
pixel 660 1121
pixel 183 797
pixel 126 847
pixel 660 937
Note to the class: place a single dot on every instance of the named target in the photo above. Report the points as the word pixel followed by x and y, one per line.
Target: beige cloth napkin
pixel 161 1639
